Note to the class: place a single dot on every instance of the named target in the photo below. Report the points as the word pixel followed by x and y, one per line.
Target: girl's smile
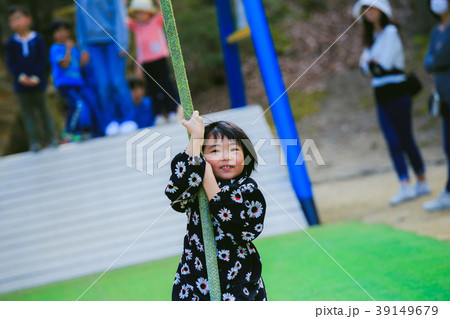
pixel 225 156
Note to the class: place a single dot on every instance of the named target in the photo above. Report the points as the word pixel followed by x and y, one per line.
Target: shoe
pixel 173 117
pixel 160 120
pixel 112 128
pixel 422 188
pixel 440 203
pixel 35 147
pixel 128 127
pixel 405 192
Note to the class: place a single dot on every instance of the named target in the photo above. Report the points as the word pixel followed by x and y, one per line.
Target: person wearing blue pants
pixel 437 61
pixel 383 58
pixel 101 30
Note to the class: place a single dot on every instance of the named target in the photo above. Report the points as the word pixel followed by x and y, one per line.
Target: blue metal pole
pixel 235 80
pixel 281 110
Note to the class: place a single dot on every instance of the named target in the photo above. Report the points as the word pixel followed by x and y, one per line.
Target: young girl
pixel 437 62
pixel 383 57
pixel 152 53
pixel 236 205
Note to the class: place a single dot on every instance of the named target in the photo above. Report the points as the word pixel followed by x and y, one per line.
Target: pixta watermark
pixel 149 150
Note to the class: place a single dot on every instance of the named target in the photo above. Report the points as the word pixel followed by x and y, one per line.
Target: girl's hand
pixel 195 126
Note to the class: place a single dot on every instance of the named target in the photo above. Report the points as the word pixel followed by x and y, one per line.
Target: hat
pixel 142 5
pixel 383 5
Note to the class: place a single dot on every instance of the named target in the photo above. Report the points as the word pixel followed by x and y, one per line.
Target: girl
pixel 152 53
pixel 437 62
pixel 236 205
pixel 383 57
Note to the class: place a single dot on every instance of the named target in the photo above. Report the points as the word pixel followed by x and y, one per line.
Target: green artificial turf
pixel 388 264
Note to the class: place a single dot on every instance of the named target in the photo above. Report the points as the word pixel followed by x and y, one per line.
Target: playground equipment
pixel 275 89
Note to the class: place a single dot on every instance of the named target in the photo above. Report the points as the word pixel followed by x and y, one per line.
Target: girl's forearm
pixel 210 183
pixel 194 147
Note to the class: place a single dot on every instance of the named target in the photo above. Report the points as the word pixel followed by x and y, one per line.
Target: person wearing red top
pixel 152 51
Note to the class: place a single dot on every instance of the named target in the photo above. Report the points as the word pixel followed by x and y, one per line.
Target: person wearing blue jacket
pixel 101 30
pixel 143 106
pixel 26 59
pixel 66 63
pixel 437 62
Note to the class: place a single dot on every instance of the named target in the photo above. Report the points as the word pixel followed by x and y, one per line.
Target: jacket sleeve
pixel 11 60
pixel 186 180
pixel 122 35
pixel 438 55
pixel 239 210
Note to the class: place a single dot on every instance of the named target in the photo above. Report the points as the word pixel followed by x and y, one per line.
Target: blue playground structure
pixel 275 89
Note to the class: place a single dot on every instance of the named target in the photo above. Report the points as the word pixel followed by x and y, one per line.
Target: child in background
pixel 152 52
pixel 143 104
pixel 65 60
pixel 26 59
pixel 236 205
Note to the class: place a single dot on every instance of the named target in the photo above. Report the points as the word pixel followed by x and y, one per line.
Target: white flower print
pixel 195 160
pixel 216 198
pixel 198 264
pixel 185 195
pixel 248 236
pixel 220 235
pixel 259 228
pixel 236 196
pixel 177 279
pixel 247 187
pixel 224 255
pixel 184 292
pixel 245 291
pixel 251 250
pixel 194 180
pixel 194 237
pixel 180 169
pixel 199 246
pixel 247 276
pixel 255 209
pixel 195 219
pixel 237 265
pixel 170 188
pixel 241 180
pixel 231 237
pixel 202 285
pixel 232 273
pixel 225 214
pixel 228 297
pixel 195 298
pixel 185 269
pixel 241 252
pixel 260 283
pixel 242 214
pixel 188 254
pixel 225 188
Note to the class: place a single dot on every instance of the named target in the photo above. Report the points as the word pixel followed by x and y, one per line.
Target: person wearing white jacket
pixel 383 59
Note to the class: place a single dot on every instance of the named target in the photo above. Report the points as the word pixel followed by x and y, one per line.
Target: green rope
pixel 188 109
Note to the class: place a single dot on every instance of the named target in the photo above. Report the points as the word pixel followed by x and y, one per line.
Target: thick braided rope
pixel 188 109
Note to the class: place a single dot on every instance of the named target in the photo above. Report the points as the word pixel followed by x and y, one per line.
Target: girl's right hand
pixel 195 126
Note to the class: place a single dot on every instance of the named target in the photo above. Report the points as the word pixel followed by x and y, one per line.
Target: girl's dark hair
pixel 17 8
pixel 135 82
pixel 59 24
pixel 221 129
pixel 368 37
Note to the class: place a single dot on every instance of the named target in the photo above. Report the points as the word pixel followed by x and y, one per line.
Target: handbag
pixel 435 104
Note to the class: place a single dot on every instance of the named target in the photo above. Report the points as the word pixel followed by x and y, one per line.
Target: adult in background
pixel 437 61
pixel 101 30
pixel 383 58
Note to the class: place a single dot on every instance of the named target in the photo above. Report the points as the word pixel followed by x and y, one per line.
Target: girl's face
pixel 225 156
pixel 142 16
pixel 373 15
